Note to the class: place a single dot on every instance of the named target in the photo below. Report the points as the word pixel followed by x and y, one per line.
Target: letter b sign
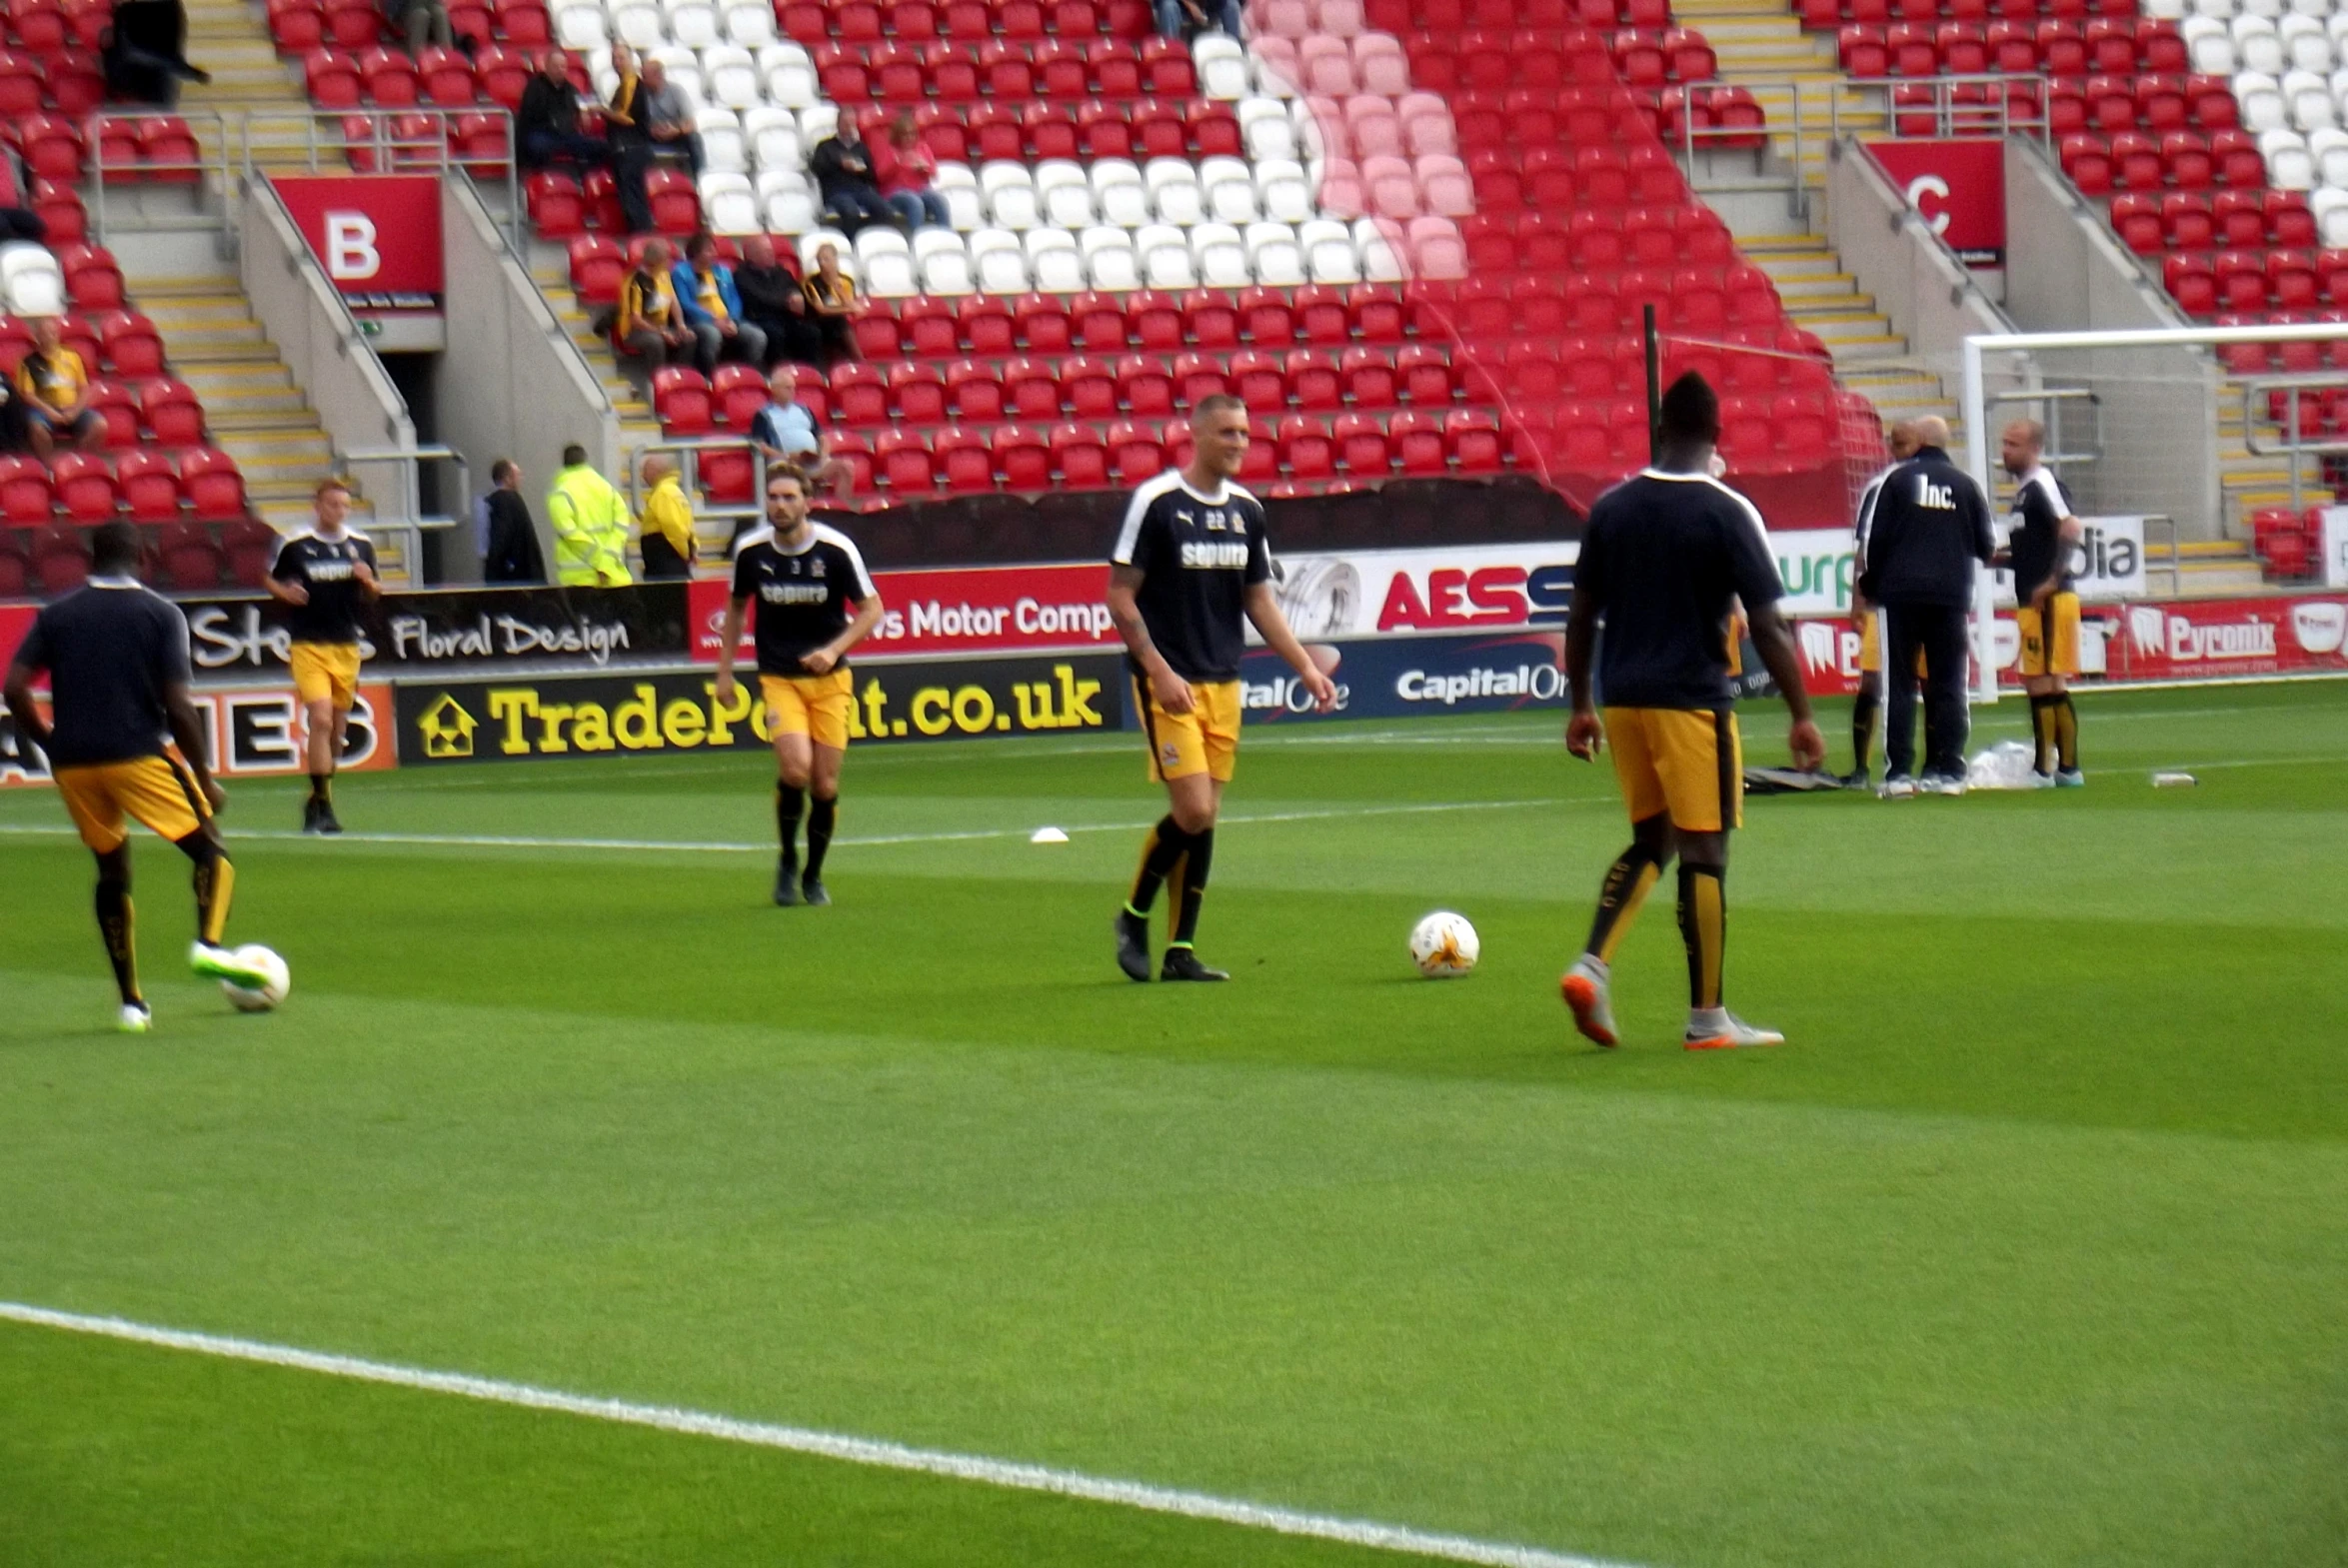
pixel 351 256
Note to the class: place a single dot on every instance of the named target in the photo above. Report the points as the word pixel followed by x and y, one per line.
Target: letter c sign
pixel 351 256
pixel 1934 185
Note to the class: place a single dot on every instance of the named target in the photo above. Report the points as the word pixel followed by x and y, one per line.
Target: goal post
pixel 2174 424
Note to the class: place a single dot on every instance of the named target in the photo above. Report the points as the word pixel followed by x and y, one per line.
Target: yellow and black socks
pixel 2042 733
pixel 1190 887
pixel 1703 926
pixel 322 789
pixel 823 812
pixel 790 800
pixel 1863 708
pixel 115 928
pixel 216 882
pixel 1628 880
pixel 2066 731
pixel 1165 845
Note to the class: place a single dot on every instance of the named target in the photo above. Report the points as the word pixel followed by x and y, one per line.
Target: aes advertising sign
pixel 1958 186
pixel 252 732
pixel 377 235
pixel 587 715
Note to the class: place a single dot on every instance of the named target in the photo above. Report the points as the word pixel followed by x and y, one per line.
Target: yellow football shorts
pixel 812 706
pixel 2055 655
pixel 1872 645
pixel 156 790
pixel 326 672
pixel 1687 761
pixel 1203 740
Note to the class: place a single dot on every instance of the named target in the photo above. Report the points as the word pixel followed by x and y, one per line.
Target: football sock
pixel 821 815
pixel 2066 731
pixel 1164 845
pixel 115 922
pixel 789 800
pixel 216 882
pixel 1704 926
pixel 322 789
pixel 1628 880
pixel 2042 733
pixel 1189 887
pixel 1862 729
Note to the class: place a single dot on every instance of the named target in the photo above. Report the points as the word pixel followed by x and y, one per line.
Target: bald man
pixel 1926 535
pixel 668 521
pixel 1900 436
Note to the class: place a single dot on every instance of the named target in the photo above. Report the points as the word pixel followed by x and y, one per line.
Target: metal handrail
pixel 214 182
pixel 411 523
pixel 1813 127
pixel 2293 446
pixel 321 139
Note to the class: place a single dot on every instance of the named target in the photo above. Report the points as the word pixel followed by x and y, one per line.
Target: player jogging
pixel 2039 547
pixel 325 574
pixel 117 659
pixel 815 602
pixel 1664 553
pixel 1902 441
pixel 1191 561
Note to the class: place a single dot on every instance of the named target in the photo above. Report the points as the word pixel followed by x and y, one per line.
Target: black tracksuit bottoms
pixel 1939 630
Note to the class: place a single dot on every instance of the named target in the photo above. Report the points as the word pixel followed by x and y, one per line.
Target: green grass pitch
pixel 2030 1248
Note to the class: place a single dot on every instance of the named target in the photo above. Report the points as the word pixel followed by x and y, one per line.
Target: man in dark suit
pixel 509 551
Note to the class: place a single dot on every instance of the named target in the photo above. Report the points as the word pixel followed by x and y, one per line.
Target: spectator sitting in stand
pixel 787 431
pixel 546 124
pixel 1187 19
pixel 907 173
pixel 832 299
pixel 705 291
pixel 18 221
pixel 842 167
pixel 773 299
pixel 56 392
pixel 651 324
pixel 424 22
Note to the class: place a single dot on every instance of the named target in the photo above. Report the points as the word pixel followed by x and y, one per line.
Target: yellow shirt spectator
pixel 55 377
pixel 646 302
pixel 668 514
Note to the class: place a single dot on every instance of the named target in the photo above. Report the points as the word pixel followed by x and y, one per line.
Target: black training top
pixel 1921 528
pixel 110 649
pixel 2037 542
pixel 1662 558
pixel 1197 556
pixel 806 597
pixel 324 567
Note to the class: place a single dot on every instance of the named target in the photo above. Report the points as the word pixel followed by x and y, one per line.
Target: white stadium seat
pixel 2329 148
pixel 1329 253
pixel 1229 191
pixel 999 263
pixel 944 268
pixel 1221 260
pixel 1053 261
pixel 1222 66
pixel 750 26
pixel 1109 261
pixel 722 148
pixel 773 135
pixel 693 23
pixel 2257 45
pixel 1282 191
pixel 637 23
pixel 1379 261
pixel 2209 47
pixel 2262 102
pixel 1174 191
pixel 1011 196
pixel 1274 255
pixel 788 200
pixel 963 207
pixel 1118 194
pixel 2310 98
pixel 727 204
pixel 582 27
pixel 2330 206
pixel 2287 162
pixel 816 123
pixel 2305 45
pixel 814 240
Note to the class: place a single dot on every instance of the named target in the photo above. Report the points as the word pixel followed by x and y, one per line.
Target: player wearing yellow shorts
pixel 1666 553
pixel 2044 532
pixel 1191 566
pixel 326 575
pixel 117 660
pixel 815 603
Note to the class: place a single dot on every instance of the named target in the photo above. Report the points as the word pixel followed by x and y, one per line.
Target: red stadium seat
pixel 1154 321
pixel 975 391
pixel 904 461
pixel 1023 457
pixel 597 270
pixel 1257 378
pixel 149 488
pixel 1099 322
pixel 61 562
pixel 1144 386
pixel 918 391
pixel 1362 445
pixel 85 488
pixel 113 405
pixel 738 391
pixel 1313 380
pixel 170 411
pixel 1089 386
pixel 1081 457
pixel 1030 390
pixel 1417 441
pixel 1044 325
pixel 1473 438
pixel 860 394
pixel 1135 452
pixel 1368 376
pixel 27 495
pixel 1266 318
pixel 963 460
pixel 985 325
pixel 1306 449
pixel 681 401
pixel 1210 319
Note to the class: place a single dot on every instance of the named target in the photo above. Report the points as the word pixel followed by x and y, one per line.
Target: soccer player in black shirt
pixel 1191 562
pixel 2039 547
pixel 117 659
pixel 326 574
pixel 815 603
pixel 1666 553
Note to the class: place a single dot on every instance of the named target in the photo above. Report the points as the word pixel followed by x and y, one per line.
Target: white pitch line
pixel 873 1452
pixel 693 847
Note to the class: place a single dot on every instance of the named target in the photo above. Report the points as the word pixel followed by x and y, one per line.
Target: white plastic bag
pixel 2005 766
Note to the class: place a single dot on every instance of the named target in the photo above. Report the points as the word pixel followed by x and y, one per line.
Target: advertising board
pixel 253 731
pixel 527 716
pixel 445 628
pixel 377 235
pixel 971 609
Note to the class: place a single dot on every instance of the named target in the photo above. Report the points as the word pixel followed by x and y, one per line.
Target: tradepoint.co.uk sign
pixel 375 234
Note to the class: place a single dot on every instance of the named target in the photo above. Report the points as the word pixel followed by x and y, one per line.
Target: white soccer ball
pixel 1444 944
pixel 279 981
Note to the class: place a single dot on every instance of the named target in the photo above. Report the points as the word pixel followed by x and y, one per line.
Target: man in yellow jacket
pixel 667 545
pixel 590 519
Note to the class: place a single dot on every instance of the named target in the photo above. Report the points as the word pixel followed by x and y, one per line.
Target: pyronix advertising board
pixel 970 610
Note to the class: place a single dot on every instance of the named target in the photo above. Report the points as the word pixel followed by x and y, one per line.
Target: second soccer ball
pixel 1444 944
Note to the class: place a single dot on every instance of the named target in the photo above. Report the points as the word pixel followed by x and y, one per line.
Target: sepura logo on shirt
pixel 335 564
pixel 796 592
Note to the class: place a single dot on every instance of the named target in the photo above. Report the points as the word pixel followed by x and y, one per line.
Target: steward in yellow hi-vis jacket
pixel 589 521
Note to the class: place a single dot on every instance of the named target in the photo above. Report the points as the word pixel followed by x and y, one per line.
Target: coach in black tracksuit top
pixel 1928 529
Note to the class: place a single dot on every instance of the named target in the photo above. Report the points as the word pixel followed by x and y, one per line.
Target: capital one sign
pixel 375 234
